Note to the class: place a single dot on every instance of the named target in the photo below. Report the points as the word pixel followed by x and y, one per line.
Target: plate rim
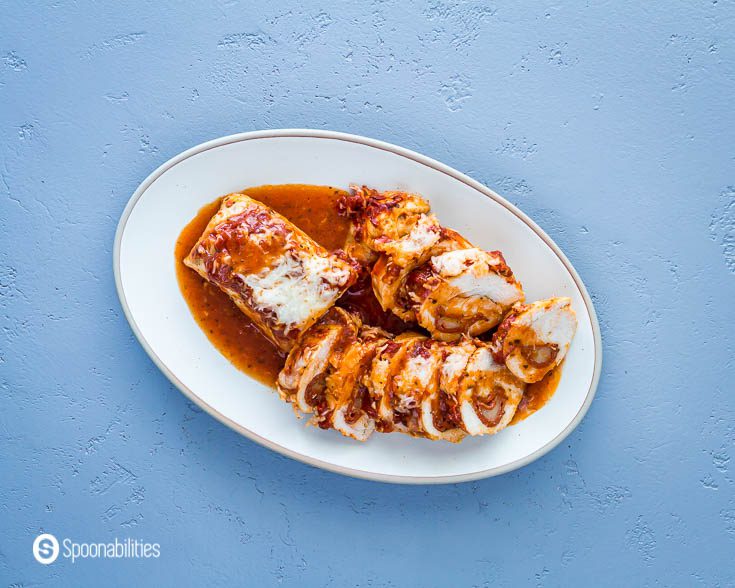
pixel 418 158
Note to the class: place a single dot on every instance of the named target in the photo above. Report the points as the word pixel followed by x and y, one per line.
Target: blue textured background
pixel 610 123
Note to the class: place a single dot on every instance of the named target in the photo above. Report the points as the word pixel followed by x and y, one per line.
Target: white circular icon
pixel 46 548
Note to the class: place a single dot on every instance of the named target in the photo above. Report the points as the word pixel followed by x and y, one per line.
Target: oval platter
pixel 149 294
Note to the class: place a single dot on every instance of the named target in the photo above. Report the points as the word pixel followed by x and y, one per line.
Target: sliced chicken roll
pixel 463 292
pixel 387 278
pixel 394 223
pixel 352 411
pixel 302 380
pixel 440 416
pixel 488 394
pixel 533 339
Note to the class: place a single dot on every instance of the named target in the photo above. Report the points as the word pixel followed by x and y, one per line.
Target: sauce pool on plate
pixel 538 394
pixel 314 210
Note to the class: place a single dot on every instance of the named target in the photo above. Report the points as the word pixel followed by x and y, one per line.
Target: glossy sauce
pixel 359 299
pixel 312 209
pixel 538 394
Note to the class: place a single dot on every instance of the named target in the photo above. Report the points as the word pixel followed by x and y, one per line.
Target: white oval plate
pixel 146 283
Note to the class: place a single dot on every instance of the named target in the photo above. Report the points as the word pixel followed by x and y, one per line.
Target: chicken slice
pixel 463 292
pixel 302 380
pixel 440 417
pixel 390 279
pixel 407 250
pixel 414 374
pixel 488 394
pixel 381 218
pixel 352 410
pixel 379 380
pixel 533 339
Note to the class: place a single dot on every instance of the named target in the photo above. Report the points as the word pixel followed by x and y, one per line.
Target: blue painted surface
pixel 611 124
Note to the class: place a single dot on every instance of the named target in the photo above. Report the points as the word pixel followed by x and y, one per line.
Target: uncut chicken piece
pixel 488 394
pixel 533 339
pixel 302 381
pixel 462 292
pixel 274 272
pixel 352 411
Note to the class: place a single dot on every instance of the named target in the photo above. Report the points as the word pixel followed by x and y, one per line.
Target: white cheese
pixel 420 370
pixel 296 288
pixel 455 362
pixel 453 263
pixel 423 235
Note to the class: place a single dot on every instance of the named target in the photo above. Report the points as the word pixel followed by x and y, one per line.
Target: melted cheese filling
pixel 423 235
pixel 453 263
pixel 296 288
pixel 455 362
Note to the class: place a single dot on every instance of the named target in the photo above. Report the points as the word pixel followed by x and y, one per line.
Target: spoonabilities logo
pixel 46 548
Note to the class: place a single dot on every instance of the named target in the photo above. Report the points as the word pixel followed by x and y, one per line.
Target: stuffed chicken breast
pixel 415 376
pixel 275 273
pixel 389 222
pixel 427 273
pixel 391 281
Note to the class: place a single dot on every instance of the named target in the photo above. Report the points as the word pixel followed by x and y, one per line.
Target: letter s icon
pixel 46 548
